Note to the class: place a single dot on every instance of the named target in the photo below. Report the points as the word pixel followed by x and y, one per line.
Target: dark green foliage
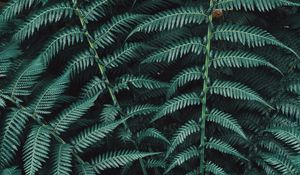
pixel 149 87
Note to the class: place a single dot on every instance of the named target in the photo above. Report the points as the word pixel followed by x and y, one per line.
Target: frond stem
pixel 205 91
pixel 102 70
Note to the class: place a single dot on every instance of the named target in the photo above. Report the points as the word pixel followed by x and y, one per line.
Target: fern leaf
pixel 254 4
pixel 71 115
pixel 110 113
pixel 15 7
pixel 171 19
pixel 214 169
pixel 280 163
pixel 62 160
pixel 94 87
pixel 138 82
pixel 95 10
pixel 236 91
pixel 184 77
pixel 123 55
pixel 11 50
pixel 137 110
pixel 223 148
pixel 106 34
pixel 80 63
pixel 240 59
pixel 226 120
pixel 36 149
pixel 46 99
pixel 25 79
pixel 152 163
pixel 250 36
pixel 176 50
pixel 153 133
pixel 181 134
pixel 93 134
pixel 85 169
pixel 182 157
pixel 62 39
pixel 41 18
pixel 14 126
pixel 177 103
pixel 117 159
pixel 11 171
pixel 290 136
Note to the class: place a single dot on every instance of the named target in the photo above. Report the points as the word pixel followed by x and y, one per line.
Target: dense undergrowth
pixel 150 87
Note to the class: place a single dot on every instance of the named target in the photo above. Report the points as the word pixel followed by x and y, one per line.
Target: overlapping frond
pixel 117 159
pixel 240 59
pixel 93 134
pixel 184 77
pixel 106 34
pixel 41 18
pixel 126 81
pixel 225 120
pixel 152 133
pixel 62 160
pixel 177 103
pixel 181 134
pixel 171 19
pixel 36 149
pixel 71 114
pixel 252 5
pixel 236 91
pixel 176 50
pixel 250 36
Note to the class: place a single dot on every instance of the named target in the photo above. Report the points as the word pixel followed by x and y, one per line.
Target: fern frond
pixel 62 39
pixel 109 113
pixel 25 79
pixel 11 171
pixel 141 81
pixel 152 163
pixel 176 50
pixel 46 99
pixel 226 120
pixel 214 169
pixel 182 157
pixel 290 136
pixel 181 134
pixel 41 18
pixel 36 149
pixel 240 59
pixel 106 34
pixel 11 134
pixel 71 114
pixel 252 5
pixel 15 7
pixel 95 10
pixel 85 169
pixel 184 77
pixel 236 91
pixel 171 19
pixel 93 134
pixel 123 55
pixel 153 133
pixel 223 148
pixel 137 110
pixel 80 63
pixel 9 51
pixel 62 160
pixel 92 88
pixel 117 159
pixel 280 163
pixel 177 103
pixel 250 36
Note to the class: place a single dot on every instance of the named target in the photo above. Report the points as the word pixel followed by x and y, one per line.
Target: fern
pixel 62 161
